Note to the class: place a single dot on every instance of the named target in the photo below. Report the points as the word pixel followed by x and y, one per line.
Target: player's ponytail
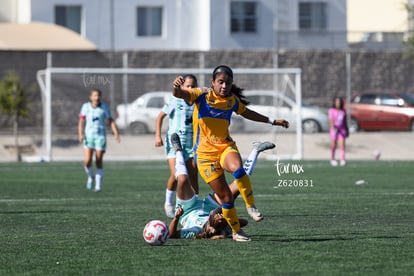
pixel 238 92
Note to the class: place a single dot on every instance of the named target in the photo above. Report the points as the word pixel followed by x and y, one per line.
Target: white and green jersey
pixel 196 212
pixel 95 119
pixel 180 115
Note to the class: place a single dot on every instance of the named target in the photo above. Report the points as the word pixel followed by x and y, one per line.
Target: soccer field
pixel 317 222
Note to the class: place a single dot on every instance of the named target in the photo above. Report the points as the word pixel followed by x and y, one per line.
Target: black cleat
pixel 175 141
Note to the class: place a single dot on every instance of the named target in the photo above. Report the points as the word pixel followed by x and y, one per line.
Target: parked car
pixel 276 105
pixel 382 111
pixel 139 116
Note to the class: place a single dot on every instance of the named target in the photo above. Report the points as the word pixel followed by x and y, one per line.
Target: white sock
pixel 180 167
pixel 89 172
pixel 98 179
pixel 169 197
pixel 250 163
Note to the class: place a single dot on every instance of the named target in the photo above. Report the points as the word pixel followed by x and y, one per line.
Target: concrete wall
pixel 323 75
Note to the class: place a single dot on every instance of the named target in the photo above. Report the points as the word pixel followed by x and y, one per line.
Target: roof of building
pixel 40 37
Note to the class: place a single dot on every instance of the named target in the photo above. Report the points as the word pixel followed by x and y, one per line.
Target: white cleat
pixel 262 146
pixel 240 236
pixel 254 213
pixel 89 184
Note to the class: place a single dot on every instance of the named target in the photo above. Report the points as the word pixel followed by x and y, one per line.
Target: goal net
pixel 274 92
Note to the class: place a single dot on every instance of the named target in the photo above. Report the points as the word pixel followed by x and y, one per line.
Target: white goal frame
pixel 44 79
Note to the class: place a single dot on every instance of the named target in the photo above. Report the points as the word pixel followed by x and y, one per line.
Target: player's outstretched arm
pixel 174 232
pixel 254 116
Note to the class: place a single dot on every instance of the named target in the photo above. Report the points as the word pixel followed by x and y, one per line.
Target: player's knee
pixel 239 173
pixel 226 198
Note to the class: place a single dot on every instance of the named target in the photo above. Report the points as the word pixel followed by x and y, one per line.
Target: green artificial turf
pixel 51 225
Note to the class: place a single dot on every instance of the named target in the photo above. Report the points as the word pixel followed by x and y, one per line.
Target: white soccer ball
pixel 155 232
pixel 376 154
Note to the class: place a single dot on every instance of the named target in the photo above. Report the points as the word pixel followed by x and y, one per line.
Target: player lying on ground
pixel 202 218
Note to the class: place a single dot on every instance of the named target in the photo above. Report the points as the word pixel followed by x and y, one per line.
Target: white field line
pixel 299 194
pixel 11 200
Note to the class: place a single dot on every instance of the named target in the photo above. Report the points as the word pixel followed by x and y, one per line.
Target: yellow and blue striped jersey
pixel 213 116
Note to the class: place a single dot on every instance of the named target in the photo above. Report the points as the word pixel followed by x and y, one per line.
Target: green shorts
pixel 95 142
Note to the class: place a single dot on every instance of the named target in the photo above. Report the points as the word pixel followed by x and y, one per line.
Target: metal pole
pixel 348 87
pixel 202 77
pixel 111 57
pixel 48 108
pixel 125 85
pixel 299 136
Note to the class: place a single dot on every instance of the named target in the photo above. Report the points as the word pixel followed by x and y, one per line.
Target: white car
pixel 278 106
pixel 139 116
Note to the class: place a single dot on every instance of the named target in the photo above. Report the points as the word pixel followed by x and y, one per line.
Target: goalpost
pixel 286 81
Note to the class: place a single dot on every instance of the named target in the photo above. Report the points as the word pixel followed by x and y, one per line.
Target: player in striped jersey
pixel 180 114
pixel 92 133
pixel 202 218
pixel 215 150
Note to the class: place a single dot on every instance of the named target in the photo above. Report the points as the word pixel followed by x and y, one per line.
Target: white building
pixel 374 29
pixel 199 25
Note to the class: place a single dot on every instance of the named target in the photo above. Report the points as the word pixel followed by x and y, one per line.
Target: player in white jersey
pixel 180 115
pixel 202 218
pixel 92 133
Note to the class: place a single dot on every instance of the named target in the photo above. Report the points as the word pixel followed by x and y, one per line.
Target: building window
pixel 243 17
pixel 312 16
pixel 69 17
pixel 149 21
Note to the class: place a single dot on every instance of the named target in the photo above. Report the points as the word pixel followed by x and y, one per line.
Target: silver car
pixel 278 106
pixel 139 116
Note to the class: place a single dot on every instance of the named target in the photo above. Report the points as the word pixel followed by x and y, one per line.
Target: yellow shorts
pixel 210 167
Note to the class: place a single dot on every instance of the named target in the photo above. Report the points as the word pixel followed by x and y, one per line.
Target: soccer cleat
pixel 334 163
pixel 342 163
pixel 169 210
pixel 97 188
pixel 243 222
pixel 262 146
pixel 254 213
pixel 175 141
pixel 89 185
pixel 240 236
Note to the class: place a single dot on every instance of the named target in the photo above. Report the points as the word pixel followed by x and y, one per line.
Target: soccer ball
pixel 155 232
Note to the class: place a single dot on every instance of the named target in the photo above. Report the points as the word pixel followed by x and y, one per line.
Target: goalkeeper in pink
pixel 338 130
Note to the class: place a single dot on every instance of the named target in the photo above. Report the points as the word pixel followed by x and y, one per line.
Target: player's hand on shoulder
pixel 178 81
